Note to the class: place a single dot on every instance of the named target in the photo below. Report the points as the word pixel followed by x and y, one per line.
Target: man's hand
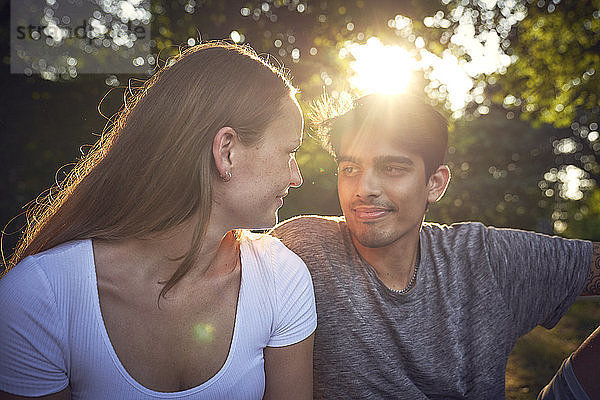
pixel 592 285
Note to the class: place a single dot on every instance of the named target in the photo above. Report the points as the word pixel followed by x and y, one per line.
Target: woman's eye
pixel 347 170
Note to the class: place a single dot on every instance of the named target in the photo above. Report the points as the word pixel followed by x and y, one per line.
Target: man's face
pixel 382 188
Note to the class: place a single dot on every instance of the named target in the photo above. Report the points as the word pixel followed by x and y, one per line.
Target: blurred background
pixel 518 80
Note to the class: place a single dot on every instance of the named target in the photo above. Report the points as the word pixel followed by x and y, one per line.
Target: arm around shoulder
pixel 592 284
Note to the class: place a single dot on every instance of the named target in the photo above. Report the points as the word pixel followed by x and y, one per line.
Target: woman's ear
pixel 437 183
pixel 222 147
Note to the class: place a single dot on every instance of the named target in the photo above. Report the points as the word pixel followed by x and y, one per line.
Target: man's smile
pixel 370 213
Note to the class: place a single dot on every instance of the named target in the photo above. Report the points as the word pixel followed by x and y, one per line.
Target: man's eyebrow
pixel 392 159
pixel 379 160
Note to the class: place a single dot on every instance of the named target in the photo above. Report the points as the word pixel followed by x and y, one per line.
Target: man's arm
pixel 592 285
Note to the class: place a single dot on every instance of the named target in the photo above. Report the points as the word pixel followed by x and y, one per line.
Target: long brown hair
pixel 152 168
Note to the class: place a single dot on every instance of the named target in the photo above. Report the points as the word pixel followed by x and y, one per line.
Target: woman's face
pixel 264 172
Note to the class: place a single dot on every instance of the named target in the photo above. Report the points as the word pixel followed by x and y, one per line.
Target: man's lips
pixel 370 212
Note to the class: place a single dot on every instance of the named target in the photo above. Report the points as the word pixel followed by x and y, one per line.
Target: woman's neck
pixel 157 257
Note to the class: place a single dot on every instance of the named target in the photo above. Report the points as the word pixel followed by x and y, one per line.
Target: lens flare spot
pixel 204 333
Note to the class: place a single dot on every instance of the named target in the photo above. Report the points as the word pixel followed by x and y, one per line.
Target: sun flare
pixel 380 68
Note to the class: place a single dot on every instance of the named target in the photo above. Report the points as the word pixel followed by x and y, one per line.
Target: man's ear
pixel 437 183
pixel 222 147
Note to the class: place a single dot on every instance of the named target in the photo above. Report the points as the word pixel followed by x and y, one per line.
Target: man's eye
pixel 391 169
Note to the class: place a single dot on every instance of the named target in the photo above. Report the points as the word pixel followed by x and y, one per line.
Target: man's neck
pixel 394 263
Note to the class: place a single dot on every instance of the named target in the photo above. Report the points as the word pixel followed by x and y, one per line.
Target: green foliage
pixel 496 165
pixel 555 74
pixel 584 218
pixel 316 29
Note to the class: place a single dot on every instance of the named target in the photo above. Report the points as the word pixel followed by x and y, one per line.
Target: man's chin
pixel 372 240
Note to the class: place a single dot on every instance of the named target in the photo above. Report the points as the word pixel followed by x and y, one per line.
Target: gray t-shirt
pixel 478 290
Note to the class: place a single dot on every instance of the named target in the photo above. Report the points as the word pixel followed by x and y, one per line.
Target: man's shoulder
pixel 457 228
pixel 305 224
pixel 456 237
pixel 307 233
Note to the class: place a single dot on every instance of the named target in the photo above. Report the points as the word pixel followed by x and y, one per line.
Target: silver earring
pixel 227 176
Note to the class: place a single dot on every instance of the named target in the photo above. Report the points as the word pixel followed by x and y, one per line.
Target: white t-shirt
pixel 52 333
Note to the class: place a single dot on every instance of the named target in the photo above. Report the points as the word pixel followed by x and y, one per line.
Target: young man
pixel 416 310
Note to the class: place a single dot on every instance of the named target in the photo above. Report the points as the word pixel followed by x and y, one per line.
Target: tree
pixel 557 51
pixel 308 37
pixel 554 81
pixel 497 165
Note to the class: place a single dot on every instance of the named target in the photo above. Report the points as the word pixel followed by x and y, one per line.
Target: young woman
pixel 135 280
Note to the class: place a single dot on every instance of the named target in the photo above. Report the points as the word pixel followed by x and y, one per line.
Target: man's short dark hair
pixel 413 121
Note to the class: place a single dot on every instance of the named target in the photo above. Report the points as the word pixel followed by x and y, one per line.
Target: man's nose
pixel 368 184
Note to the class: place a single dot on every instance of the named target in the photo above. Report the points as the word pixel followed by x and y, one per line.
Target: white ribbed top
pixel 52 333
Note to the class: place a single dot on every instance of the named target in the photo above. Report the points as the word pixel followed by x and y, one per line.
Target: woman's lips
pixel 280 198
